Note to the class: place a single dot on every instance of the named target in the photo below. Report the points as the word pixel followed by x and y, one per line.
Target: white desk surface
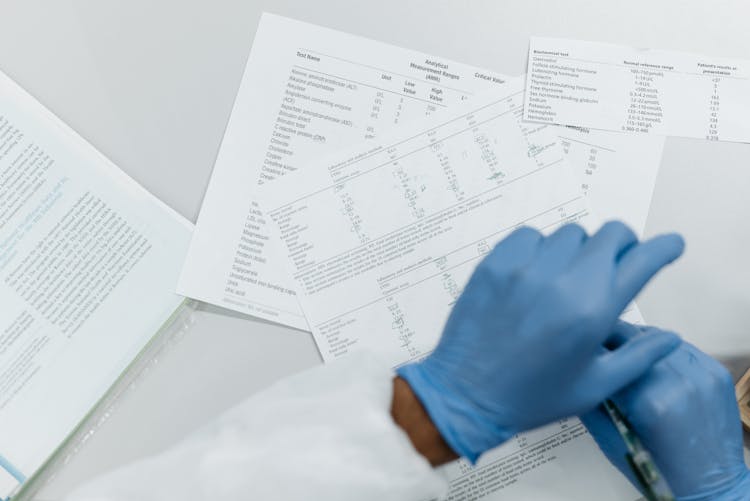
pixel 151 84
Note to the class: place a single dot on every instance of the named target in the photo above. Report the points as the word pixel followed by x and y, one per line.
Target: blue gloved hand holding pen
pixel 684 411
pixel 523 344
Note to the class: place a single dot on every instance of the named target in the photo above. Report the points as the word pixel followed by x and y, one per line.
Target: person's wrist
pixel 409 414
pixel 464 428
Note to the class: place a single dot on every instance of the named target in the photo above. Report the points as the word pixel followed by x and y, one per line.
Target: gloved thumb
pixel 633 358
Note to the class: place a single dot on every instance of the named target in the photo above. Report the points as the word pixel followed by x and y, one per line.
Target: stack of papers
pixel 357 187
pixel 307 93
pixel 359 184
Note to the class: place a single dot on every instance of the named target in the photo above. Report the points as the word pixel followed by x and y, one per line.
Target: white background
pixel 151 84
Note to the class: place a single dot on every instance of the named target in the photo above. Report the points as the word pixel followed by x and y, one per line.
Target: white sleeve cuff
pixel 326 433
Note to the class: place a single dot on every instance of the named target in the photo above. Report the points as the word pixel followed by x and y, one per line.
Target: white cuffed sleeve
pixel 326 433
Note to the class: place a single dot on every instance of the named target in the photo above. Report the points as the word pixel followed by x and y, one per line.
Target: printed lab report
pixel 617 172
pixel 88 263
pixel 380 240
pixel 612 87
pixel 308 91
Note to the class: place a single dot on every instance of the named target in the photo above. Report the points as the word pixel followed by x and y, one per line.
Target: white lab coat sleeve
pixel 326 433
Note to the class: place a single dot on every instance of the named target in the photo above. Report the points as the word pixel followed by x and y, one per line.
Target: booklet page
pixel 88 263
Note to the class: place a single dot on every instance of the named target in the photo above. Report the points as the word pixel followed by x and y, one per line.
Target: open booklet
pixel 88 264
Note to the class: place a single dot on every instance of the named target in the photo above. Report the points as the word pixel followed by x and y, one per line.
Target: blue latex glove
pixel 685 413
pixel 522 346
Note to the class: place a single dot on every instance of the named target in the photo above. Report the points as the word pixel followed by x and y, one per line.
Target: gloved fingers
pixel 678 414
pixel 559 249
pixel 617 369
pixel 691 391
pixel 612 240
pixel 515 251
pixel 640 263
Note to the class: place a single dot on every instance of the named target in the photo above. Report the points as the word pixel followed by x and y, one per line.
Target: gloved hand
pixel 685 413
pixel 522 346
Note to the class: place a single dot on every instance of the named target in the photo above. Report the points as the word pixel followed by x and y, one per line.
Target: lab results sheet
pixel 616 172
pixel 308 91
pixel 381 239
pixel 88 263
pixel 617 88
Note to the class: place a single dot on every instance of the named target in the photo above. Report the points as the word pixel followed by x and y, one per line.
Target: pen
pixel 653 483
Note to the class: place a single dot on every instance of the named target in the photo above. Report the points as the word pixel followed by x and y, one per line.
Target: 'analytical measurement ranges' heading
pixel 435 70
